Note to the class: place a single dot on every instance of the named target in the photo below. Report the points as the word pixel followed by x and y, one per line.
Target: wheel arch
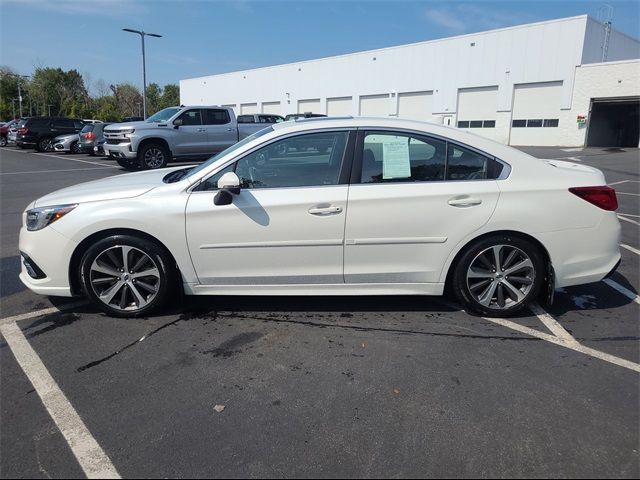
pixel 159 140
pixel 453 264
pixel 74 278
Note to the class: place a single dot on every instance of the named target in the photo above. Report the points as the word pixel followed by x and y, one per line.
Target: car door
pixel 412 200
pixel 286 226
pixel 221 131
pixel 191 136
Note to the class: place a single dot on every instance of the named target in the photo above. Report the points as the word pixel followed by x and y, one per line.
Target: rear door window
pixel 216 116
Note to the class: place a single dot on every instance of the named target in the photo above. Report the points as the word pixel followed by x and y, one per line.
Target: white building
pixel 537 84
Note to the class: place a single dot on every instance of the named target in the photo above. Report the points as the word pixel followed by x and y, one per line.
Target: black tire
pixel 44 144
pixel 153 156
pixel 3 142
pixel 127 164
pixel 95 283
pixel 479 253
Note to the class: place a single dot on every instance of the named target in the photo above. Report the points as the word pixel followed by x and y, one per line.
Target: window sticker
pixel 395 157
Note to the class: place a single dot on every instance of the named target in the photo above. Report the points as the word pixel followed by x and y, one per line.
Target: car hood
pixel 111 188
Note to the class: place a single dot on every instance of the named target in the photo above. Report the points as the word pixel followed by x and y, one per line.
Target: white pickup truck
pixel 192 132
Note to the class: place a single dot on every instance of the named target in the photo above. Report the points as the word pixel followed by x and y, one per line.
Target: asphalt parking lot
pixel 319 387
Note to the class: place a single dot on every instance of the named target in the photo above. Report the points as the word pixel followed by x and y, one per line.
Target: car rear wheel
pixel 153 156
pixel 499 275
pixel 45 144
pixel 127 276
pixel 3 142
pixel 76 147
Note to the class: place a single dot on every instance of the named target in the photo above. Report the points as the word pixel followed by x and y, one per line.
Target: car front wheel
pixel 127 276
pixel 153 156
pixel 499 275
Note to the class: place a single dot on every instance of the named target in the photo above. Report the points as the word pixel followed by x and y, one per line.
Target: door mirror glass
pixel 230 182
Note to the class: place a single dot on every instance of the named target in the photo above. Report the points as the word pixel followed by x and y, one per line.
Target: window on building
pixel 519 123
pixel 475 124
pixel 551 122
pixel 534 123
pixel 463 124
pixel 489 124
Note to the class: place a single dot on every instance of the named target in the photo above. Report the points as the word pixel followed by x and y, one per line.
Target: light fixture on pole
pixel 144 68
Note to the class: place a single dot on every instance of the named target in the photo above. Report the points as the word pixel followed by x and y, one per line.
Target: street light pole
pixel 144 68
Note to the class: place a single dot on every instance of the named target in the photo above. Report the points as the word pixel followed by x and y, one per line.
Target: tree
pixel 170 96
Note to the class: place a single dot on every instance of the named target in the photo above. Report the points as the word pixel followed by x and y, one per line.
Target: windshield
pixel 163 115
pixel 231 149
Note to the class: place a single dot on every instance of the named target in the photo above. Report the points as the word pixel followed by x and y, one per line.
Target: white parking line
pixel 629 215
pixel 625 193
pixel 620 182
pixel 60 157
pixel 623 290
pixel 552 324
pixel 40 313
pixel 621 362
pixel 630 248
pixel 92 459
pixel 61 170
pixel 628 220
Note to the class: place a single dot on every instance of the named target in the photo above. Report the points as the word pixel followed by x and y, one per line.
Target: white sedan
pixel 336 206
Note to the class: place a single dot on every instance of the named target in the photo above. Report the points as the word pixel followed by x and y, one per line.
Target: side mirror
pixel 177 122
pixel 229 185
pixel 229 181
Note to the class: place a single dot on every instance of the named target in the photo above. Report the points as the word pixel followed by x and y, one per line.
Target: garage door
pixel 271 107
pixel 477 110
pixel 536 112
pixel 339 106
pixel 311 105
pixel 247 108
pixel 375 105
pixel 415 105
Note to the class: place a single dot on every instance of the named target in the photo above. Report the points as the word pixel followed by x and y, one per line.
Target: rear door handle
pixel 331 210
pixel 464 202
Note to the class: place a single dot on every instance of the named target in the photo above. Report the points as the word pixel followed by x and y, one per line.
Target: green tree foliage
pixel 65 93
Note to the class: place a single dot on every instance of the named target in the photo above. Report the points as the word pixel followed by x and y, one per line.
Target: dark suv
pixel 39 132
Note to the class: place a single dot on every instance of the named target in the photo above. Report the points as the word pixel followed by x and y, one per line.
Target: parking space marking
pixel 628 220
pixel 92 459
pixel 621 362
pixel 620 182
pixel 553 325
pixel 630 248
pixel 62 170
pixel 60 157
pixel 40 313
pixel 623 290
pixel 625 193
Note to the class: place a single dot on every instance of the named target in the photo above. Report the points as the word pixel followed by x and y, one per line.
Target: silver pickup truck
pixel 192 132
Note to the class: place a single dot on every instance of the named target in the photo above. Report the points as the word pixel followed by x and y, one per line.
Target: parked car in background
pixel 13 130
pixel 295 116
pixel 176 132
pixel 67 143
pixel 428 207
pixel 86 121
pixel 132 119
pixel 260 118
pixel 4 131
pixel 98 148
pixel 39 132
pixel 90 135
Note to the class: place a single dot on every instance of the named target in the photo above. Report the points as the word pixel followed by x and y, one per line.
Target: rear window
pixel 87 129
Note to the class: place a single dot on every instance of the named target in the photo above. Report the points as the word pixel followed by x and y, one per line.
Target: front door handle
pixel 330 210
pixel 464 201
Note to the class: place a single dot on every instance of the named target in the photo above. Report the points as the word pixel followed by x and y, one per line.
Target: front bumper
pixel 38 247
pixel 121 150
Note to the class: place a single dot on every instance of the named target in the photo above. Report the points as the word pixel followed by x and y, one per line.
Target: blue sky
pixel 215 36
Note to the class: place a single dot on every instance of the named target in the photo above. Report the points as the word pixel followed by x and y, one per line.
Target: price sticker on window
pixel 396 162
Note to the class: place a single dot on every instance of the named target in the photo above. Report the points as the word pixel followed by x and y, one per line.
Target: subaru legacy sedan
pixel 377 207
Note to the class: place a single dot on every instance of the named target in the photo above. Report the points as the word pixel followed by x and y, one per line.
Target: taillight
pixel 89 136
pixel 603 197
pixel 23 131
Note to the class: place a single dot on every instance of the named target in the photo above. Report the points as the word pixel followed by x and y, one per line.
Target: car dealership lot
pixel 372 386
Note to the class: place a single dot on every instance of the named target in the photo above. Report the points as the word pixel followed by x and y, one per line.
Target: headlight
pixel 38 218
pixel 128 131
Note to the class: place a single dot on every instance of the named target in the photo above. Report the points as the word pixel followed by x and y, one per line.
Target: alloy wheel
pixel 46 145
pixel 500 277
pixel 154 158
pixel 125 278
